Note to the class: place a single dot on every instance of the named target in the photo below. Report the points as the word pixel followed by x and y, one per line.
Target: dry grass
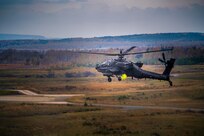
pixel 62 120
pixel 28 119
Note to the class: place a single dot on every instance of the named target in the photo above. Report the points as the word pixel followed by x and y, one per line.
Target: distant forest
pixel 63 58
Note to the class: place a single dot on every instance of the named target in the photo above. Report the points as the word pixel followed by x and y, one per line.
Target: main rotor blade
pixel 118 54
pixel 170 49
pixel 128 50
pixel 98 53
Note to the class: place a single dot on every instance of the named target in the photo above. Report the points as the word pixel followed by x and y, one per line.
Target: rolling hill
pixel 159 39
pixel 19 37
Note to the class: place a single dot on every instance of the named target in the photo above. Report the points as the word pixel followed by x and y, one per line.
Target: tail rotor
pixel 163 60
pixel 169 64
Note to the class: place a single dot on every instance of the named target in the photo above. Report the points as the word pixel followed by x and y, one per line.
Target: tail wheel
pixel 170 83
pixel 109 79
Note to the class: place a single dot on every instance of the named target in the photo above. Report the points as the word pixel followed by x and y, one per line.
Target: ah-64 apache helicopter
pixel 121 68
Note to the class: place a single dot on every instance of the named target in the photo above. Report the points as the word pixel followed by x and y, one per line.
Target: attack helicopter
pixel 122 68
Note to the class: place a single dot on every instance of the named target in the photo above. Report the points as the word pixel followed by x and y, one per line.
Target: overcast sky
pixel 90 18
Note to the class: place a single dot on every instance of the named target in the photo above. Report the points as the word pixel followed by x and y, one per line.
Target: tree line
pixel 185 56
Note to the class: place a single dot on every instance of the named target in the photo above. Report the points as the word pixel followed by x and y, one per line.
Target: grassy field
pixel 28 119
pixel 62 120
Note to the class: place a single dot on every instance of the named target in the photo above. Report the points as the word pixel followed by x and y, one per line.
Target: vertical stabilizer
pixel 169 66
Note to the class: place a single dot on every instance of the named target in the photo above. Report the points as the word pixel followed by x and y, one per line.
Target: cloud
pixel 21 2
pixel 149 3
pixel 87 18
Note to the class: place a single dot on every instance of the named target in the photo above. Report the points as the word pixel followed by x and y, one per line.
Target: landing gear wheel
pixel 109 79
pixel 119 78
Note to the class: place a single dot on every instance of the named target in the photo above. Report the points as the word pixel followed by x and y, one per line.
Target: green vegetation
pixel 122 97
pixel 8 92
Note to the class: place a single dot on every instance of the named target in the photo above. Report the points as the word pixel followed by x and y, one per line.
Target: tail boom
pixel 140 73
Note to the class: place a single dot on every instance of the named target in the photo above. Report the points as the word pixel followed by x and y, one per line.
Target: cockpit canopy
pixel 106 63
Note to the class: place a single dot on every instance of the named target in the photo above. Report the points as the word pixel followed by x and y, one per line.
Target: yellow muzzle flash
pixel 123 76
